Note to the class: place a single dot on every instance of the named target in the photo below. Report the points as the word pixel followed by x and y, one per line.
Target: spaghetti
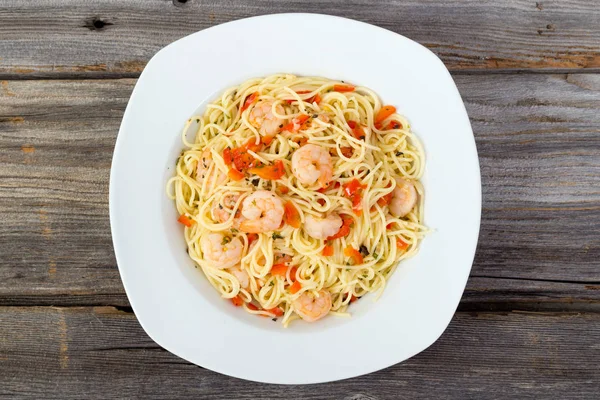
pixel 299 195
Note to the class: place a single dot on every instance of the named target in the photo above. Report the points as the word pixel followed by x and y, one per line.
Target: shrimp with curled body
pixel 404 197
pixel 263 211
pixel 213 177
pixel 312 163
pixel 222 210
pixel 221 251
pixel 261 117
pixel 322 228
pixel 311 308
pixel 240 275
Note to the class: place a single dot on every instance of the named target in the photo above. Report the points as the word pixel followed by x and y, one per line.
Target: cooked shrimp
pixel 322 228
pixel 241 275
pixel 221 251
pixel 216 176
pixel 222 210
pixel 404 197
pixel 263 211
pixel 312 163
pixel 262 118
pixel 311 308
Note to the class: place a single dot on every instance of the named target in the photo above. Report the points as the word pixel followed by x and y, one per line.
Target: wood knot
pixel 96 24
pixel 179 3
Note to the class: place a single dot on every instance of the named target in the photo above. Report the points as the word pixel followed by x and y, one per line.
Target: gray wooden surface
pixel 528 325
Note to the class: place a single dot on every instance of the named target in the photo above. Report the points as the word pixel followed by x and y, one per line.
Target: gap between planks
pixel 560 306
pixel 135 75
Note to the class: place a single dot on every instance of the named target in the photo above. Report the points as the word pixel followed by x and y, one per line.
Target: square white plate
pixel 176 305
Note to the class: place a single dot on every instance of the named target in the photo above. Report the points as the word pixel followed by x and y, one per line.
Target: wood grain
pixel 538 138
pixel 60 353
pixel 117 37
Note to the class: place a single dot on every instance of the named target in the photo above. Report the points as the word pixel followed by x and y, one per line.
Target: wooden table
pixel 528 325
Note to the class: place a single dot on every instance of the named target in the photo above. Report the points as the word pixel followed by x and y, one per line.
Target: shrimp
pixel 312 163
pixel 216 176
pixel 263 211
pixel 221 251
pixel 262 118
pixel 311 308
pixel 322 228
pixel 241 275
pixel 404 197
pixel 222 210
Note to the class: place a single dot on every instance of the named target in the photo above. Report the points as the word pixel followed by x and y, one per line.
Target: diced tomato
pixel 327 250
pixel 279 269
pixel 357 130
pixel 325 188
pixel 301 141
pixel 315 99
pixel 353 299
pixel 283 189
pixel 385 200
pixel 235 175
pixel 344 229
pixel 359 133
pixel 242 160
pixel 267 140
pixel 237 301
pixel 296 286
pixel 252 237
pixel 401 244
pixel 271 172
pixel 278 312
pixel 354 254
pixel 252 307
pixel 291 215
pixel 347 151
pixel 393 124
pixel 227 158
pixel 293 273
pixel 343 88
pixel 252 145
pixel 353 191
pixel 249 100
pixel 384 112
pixel 185 220
pixel 296 123
pixel 353 187
pixel 240 157
pixel 389 226
pixel 300 119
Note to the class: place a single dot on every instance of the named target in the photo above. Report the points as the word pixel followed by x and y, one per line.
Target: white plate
pixel 175 304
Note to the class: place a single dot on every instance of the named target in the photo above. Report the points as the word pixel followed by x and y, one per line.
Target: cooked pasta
pixel 299 195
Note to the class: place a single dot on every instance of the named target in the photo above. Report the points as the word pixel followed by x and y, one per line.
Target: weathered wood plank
pixel 481 294
pixel 539 145
pixel 60 353
pixel 107 37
